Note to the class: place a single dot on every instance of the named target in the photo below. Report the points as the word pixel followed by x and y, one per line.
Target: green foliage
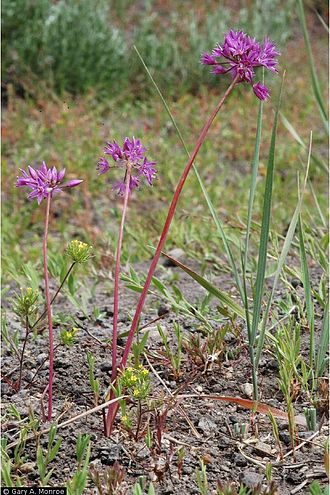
pixel 67 337
pixel 66 44
pixel 94 382
pixel 44 459
pixel 201 479
pixel 77 484
pixel 80 45
pixel 25 303
pixel 136 381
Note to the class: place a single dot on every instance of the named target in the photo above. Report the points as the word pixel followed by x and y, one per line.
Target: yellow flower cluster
pixel 67 336
pixel 136 380
pixel 79 251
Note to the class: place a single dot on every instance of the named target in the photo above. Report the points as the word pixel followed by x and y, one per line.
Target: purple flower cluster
pixel 241 55
pixel 44 181
pixel 132 155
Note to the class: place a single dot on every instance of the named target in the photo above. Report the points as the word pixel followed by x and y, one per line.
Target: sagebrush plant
pixel 44 182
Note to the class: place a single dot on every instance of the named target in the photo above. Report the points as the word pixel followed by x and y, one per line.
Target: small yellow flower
pixel 136 392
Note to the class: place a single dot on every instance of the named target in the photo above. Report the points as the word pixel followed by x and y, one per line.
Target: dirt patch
pixel 194 428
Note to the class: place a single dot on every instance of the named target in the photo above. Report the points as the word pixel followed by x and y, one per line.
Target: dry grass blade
pixel 248 404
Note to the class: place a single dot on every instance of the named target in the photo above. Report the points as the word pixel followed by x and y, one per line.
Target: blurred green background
pixel 71 80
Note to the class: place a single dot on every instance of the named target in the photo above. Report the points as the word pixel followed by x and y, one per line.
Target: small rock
pixel 293 477
pixel 28 377
pixel 177 254
pixel 163 310
pixel 187 470
pixel 295 282
pixel 106 366
pixel 251 479
pixel 240 460
pixel 199 388
pixel 41 358
pixel 154 334
pixel 285 437
pixel 247 389
pixel 207 425
pixel 27 467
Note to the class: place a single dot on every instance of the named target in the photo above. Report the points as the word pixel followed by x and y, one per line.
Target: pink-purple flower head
pixel 44 181
pixel 241 55
pixel 131 156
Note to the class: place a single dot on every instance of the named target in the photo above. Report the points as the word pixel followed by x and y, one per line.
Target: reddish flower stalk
pixel 49 312
pixel 161 242
pixel 168 222
pixel 44 182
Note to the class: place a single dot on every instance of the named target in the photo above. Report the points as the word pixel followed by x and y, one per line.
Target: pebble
pixel 41 358
pixel 163 310
pixel 247 389
pixel 285 437
pixel 207 425
pixel 176 253
pixel 106 366
pixel 187 470
pixel 240 460
pixel 251 479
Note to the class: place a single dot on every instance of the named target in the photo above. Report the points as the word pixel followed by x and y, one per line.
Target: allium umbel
pixel 240 55
pixel 44 181
pixel 130 155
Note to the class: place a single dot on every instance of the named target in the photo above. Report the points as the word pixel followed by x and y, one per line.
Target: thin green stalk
pixel 324 223
pixel 285 249
pixel 213 212
pixel 308 293
pixel 254 173
pixel 266 210
pixel 54 296
pixel 315 81
pixel 113 407
pixel 323 346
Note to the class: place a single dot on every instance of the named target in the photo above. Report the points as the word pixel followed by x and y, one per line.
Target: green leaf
pixel 308 292
pixel 266 210
pixel 323 347
pixel 281 261
pixel 212 289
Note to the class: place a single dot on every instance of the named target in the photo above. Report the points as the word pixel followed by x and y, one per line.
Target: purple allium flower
pixel 103 165
pixel 132 155
pixel 44 181
pixel 241 55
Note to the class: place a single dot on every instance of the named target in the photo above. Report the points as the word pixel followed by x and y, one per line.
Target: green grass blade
pixel 322 21
pixel 254 173
pixel 259 286
pixel 215 217
pixel 315 159
pixel 285 249
pixel 315 81
pixel 323 221
pixel 323 346
pixel 212 289
pixel 308 292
